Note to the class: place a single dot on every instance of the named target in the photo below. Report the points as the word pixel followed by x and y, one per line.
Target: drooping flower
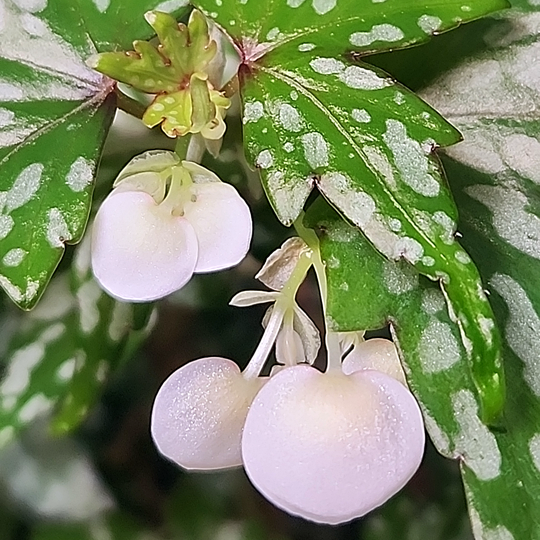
pixel 331 447
pixel 328 447
pixel 200 410
pixel 163 221
pixel 199 414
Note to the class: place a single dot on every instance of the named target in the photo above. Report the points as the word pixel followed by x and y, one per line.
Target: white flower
pixel 163 221
pixel 199 413
pixel 378 354
pixel 298 338
pixel 331 447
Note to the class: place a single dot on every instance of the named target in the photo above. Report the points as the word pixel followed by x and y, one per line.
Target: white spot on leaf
pixel 379 32
pixel 253 111
pixel 399 279
pixel 475 442
pixel 534 449
pixel 410 159
pixel 357 205
pixel 57 229
pixel 511 220
pixel 438 348
pixel 265 159
pixel 315 150
pixel 25 187
pixel 14 257
pixel 80 175
pixel 361 115
pixel 522 327
pixel 290 118
pixel 323 6
pixel 102 5
pixel 327 66
pixel 429 23
pixel 363 79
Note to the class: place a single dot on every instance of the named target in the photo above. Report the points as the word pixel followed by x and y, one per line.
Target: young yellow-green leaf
pixel 54 115
pixel 495 172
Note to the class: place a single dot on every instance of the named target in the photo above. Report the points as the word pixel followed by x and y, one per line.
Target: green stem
pixel 282 306
pixel 333 350
pixel 129 105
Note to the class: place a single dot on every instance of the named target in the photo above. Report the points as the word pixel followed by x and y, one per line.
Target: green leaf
pixel 367 143
pixel 499 470
pixel 340 25
pixel 113 25
pixel 64 350
pixel 313 118
pixel 495 175
pixel 54 116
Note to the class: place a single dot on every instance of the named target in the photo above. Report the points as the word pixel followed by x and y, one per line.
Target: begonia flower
pixel 199 414
pixel 163 221
pixel 331 447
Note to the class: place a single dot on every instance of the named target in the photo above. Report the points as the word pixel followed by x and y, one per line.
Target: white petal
pixel 139 251
pixel 330 447
pixel 279 266
pixel 308 333
pixel 222 223
pixel 378 354
pixel 252 298
pixel 199 414
pixel 289 347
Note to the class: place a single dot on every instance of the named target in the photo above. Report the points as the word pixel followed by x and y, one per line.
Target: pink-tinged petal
pixel 377 354
pixel 331 447
pixel 222 223
pixel 140 252
pixel 199 414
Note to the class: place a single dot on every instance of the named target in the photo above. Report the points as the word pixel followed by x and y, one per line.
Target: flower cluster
pixel 329 446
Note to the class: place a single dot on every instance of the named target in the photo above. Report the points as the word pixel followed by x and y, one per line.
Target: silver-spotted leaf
pixel 62 352
pixel 54 116
pixel 495 174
